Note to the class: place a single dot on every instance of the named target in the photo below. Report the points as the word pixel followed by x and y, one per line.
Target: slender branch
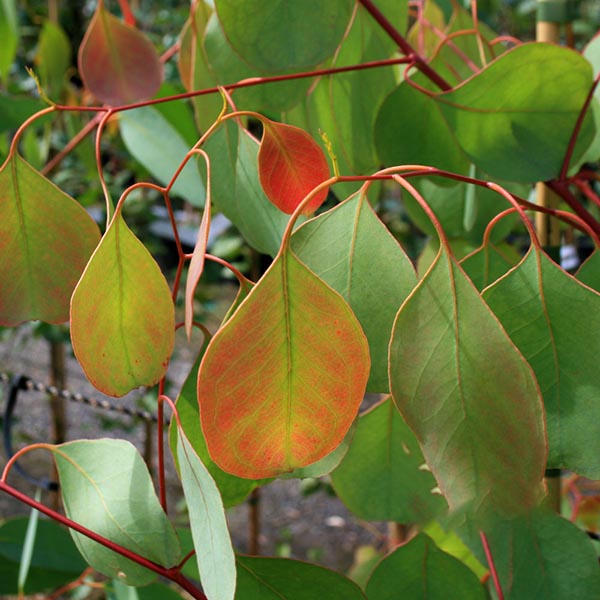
pixel 490 560
pixel 562 189
pixel 406 48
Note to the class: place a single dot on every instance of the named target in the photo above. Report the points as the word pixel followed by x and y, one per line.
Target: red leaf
pixel 117 62
pixel 290 165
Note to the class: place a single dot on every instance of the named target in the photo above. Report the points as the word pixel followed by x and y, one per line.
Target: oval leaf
pixel 93 476
pixel 469 396
pixel 282 380
pixel 380 477
pixel 290 165
pixel 46 239
pixel 285 579
pixel 117 63
pixel 122 315
pixel 420 569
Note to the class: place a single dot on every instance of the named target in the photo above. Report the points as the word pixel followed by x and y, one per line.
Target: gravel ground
pixel 316 527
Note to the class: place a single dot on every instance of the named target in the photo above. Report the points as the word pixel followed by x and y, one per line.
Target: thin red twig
pixel 492 566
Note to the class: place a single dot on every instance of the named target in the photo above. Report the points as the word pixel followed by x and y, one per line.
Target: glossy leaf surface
pixel 93 476
pixel 419 569
pixel 459 382
pixel 122 315
pixel 117 63
pixel 513 131
pixel 214 553
pixel 46 238
pixel 282 380
pixel 284 579
pixel 380 477
pixel 290 165
pixel 284 35
pixel 556 326
pixel 352 251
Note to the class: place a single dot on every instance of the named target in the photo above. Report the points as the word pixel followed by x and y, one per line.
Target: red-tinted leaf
pixel 46 239
pixel 290 165
pixel 282 380
pixel 117 62
pixel 122 315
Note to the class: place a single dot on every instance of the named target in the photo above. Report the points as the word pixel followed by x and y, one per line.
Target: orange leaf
pixel 118 64
pixel 282 380
pixel 290 165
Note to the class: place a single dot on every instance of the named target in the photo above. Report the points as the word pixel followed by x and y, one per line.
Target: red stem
pixel 406 48
pixel 172 573
pixel 562 189
pixel 490 560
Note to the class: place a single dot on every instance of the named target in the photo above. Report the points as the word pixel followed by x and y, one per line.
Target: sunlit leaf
pixel 214 553
pixel 122 315
pixel 380 477
pixel 117 63
pixel 282 380
pixel 262 578
pixel 554 321
pixel 290 165
pixel 284 34
pixel 46 238
pixel 521 132
pixel 460 384
pixel 94 474
pixel 352 251
pixel 419 569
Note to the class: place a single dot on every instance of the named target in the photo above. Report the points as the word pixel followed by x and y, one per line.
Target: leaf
pixel 55 560
pixel 541 555
pixel 9 34
pixel 282 380
pixel 236 189
pixel 553 319
pixel 380 477
pixel 262 578
pixel 15 109
pixel 403 132
pixel 146 133
pixel 353 252
pixel 93 477
pixel 290 165
pixel 117 63
pixel 53 58
pixel 459 382
pixel 122 315
pixel 284 35
pixel 419 569
pixel 46 238
pixel 513 119
pixel 233 490
pixel 488 263
pixel 214 553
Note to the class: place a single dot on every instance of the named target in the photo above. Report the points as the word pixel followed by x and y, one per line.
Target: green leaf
pixel 541 555
pixel 403 132
pixel 353 252
pixel 513 119
pixel 9 34
pixel 236 189
pixel 122 315
pixel 15 109
pixel 282 380
pixel 284 35
pixel 460 382
pixel 55 560
pixel 118 64
pixel 233 489
pixel 214 553
pixel 146 133
pixel 488 263
pixel 53 58
pixel 46 239
pixel 93 476
pixel 553 319
pixel 284 579
pixel 380 478
pixel 419 569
